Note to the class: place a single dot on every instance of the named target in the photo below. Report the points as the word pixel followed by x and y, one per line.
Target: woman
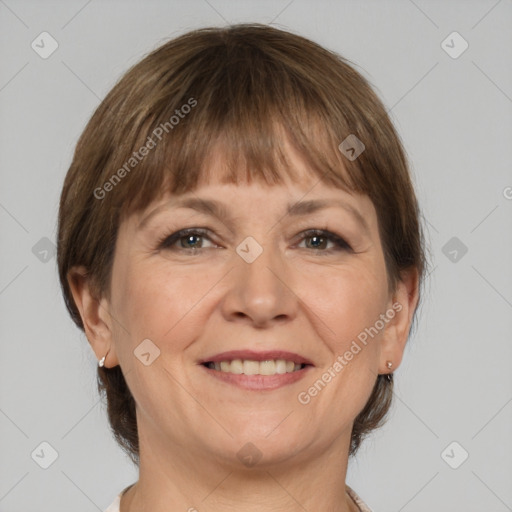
pixel 239 240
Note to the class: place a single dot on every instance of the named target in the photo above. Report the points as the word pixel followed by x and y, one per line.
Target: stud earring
pixel 101 362
pixel 389 365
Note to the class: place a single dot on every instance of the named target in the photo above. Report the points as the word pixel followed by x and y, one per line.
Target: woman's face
pixel 252 281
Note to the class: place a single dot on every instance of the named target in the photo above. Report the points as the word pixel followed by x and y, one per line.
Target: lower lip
pixel 259 382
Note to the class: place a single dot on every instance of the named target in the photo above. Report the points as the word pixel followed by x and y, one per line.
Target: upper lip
pixel 256 356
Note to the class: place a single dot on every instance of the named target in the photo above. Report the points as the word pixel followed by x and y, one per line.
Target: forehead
pixel 223 179
pixel 243 204
pixel 225 164
pixel 239 154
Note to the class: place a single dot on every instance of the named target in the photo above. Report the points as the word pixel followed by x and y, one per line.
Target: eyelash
pixel 167 241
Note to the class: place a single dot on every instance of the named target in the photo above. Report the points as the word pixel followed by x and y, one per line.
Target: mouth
pixel 257 370
pixel 252 367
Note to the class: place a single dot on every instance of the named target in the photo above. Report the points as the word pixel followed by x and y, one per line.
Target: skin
pixel 208 300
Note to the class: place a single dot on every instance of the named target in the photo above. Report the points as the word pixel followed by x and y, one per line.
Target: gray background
pixel 454 115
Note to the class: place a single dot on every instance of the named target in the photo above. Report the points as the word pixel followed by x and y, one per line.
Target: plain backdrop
pixel 452 106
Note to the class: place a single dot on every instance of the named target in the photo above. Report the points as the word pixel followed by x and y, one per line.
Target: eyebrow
pixel 219 210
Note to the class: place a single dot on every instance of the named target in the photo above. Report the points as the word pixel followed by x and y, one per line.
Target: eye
pixel 191 238
pixel 320 238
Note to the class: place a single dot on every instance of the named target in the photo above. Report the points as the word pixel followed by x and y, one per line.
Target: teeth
pixel 267 367
pixel 236 366
pixel 249 367
pixel 281 366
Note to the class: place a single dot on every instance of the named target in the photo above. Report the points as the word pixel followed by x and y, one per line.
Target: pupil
pixel 317 238
pixel 191 238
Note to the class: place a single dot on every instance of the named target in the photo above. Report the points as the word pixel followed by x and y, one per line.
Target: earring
pixel 389 376
pixel 101 362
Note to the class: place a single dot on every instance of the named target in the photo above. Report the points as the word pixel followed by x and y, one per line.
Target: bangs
pixel 249 111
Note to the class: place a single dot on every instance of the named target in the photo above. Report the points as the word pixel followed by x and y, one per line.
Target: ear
pixel 403 303
pixel 95 315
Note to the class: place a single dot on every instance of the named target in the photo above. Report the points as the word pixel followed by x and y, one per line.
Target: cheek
pixel 348 301
pixel 155 303
pixel 158 302
pixel 350 304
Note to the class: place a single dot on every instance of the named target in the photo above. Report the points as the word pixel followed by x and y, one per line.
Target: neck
pixel 174 477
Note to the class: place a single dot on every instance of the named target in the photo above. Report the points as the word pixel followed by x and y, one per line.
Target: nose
pixel 260 293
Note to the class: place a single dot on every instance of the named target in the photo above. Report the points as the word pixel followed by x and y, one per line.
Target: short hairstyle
pixel 241 89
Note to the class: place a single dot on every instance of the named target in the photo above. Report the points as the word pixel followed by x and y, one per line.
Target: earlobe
pixel 95 315
pixel 404 303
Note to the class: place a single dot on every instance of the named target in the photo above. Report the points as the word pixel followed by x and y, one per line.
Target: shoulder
pixel 116 504
pixel 363 507
pixel 114 507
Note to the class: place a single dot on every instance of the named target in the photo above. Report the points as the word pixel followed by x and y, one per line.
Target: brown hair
pixel 245 87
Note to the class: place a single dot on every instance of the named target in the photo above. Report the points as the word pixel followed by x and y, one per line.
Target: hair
pixel 241 89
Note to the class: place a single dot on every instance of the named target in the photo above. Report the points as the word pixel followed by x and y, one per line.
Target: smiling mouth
pixel 251 367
